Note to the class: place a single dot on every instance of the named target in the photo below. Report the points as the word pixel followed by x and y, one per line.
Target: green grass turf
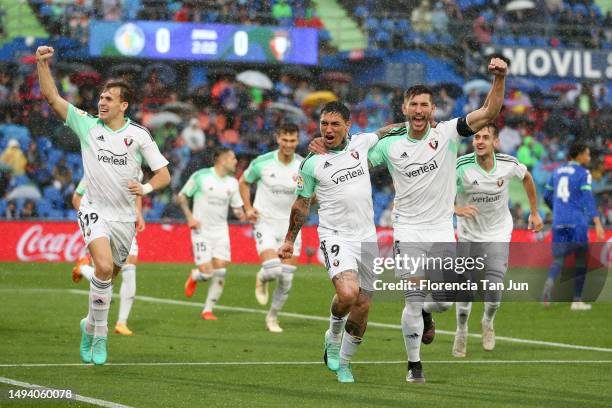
pixel 40 316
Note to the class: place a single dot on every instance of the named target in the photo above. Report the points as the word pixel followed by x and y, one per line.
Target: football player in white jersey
pixel 127 292
pixel 341 181
pixel 112 147
pixel 213 190
pixel 484 223
pixel 276 174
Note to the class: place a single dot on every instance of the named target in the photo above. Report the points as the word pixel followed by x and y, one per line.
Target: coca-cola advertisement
pixel 63 242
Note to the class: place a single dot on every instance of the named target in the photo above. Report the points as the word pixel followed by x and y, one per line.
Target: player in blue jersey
pixel 568 194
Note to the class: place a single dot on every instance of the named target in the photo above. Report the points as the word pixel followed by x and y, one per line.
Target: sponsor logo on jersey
pixel 500 182
pixel 100 138
pixel 475 183
pixel 404 155
pixel 272 175
pixel 326 165
pixel 355 154
pixel 486 198
pixel 106 156
pixel 422 168
pixel 347 174
pixel 433 144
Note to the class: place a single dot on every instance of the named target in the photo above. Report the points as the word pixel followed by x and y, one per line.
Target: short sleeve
pixel 369 139
pixel 192 185
pixel 520 170
pixel 306 183
pixel 80 122
pixel 81 188
pixel 253 172
pixel 378 154
pixel 235 199
pixel 149 150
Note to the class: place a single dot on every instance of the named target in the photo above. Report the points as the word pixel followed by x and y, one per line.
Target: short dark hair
pixel 494 127
pixel 220 151
pixel 125 91
pixel 287 128
pixel 337 107
pixel 576 149
pixel 418 90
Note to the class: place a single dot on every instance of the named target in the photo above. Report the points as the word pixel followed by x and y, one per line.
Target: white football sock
pixel 463 310
pixel 348 348
pixel 100 294
pixel 336 327
pixel 215 290
pixel 127 292
pixel 281 293
pixel 198 276
pixel 490 308
pixel 270 270
pixel 412 328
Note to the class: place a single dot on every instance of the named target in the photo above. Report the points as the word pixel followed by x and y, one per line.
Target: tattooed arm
pixel 299 213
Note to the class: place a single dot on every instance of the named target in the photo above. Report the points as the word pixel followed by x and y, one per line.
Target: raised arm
pixel 47 83
pixel 495 98
pixel 535 221
pixel 299 214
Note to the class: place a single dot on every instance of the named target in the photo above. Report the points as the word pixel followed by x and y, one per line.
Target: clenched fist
pixel 498 66
pixel 44 53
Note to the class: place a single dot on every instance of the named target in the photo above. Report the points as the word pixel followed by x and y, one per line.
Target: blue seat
pixel 324 35
pixel 403 25
pixel 372 23
pixel 56 214
pixel 44 207
pixel 70 214
pixel 361 11
pixel 3 205
pixel 382 36
pixel 524 41
pixel 430 38
pixel 539 42
pixel 20 180
pixel 54 196
pixel 44 144
pixel 387 24
pixel 507 40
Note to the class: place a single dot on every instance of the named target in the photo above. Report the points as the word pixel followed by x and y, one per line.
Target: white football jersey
pixel 276 184
pixel 341 181
pixel 423 173
pixel 111 159
pixel 489 192
pixel 212 196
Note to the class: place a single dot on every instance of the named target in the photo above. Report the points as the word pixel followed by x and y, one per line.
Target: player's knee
pixel 492 305
pixel 104 269
pixel 348 294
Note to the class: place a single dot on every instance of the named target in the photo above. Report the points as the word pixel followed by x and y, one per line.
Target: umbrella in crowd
pixel 319 98
pixel 284 107
pixel 178 107
pixel 520 5
pixel 25 191
pixel 255 79
pixel 164 72
pixel 477 85
pixel 163 118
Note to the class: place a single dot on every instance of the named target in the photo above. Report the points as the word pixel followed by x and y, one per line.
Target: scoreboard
pixel 203 42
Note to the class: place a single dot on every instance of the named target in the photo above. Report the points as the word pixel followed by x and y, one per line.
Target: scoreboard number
pixel 241 43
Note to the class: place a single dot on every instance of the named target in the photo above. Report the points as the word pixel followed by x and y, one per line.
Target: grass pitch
pixel 175 359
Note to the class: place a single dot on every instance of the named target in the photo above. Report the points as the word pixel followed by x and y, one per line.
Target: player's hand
pixel 316 146
pixel 599 232
pixel 252 215
pixel 469 211
pixel 135 188
pixel 498 67
pixel 286 250
pixel 140 222
pixel 534 222
pixel 192 223
pixel 44 53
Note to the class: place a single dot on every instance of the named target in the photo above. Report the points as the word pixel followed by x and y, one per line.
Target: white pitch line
pixel 300 363
pixel 77 397
pixel 370 324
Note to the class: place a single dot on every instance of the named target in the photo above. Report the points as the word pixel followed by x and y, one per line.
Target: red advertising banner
pixel 51 241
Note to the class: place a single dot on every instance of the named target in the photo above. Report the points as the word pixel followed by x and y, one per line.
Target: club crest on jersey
pixel 355 155
pixel 433 144
pixel 300 182
pixel 336 262
pixel 128 141
pixel 500 182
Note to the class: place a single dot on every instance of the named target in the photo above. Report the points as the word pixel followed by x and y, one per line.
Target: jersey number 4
pixel 563 191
